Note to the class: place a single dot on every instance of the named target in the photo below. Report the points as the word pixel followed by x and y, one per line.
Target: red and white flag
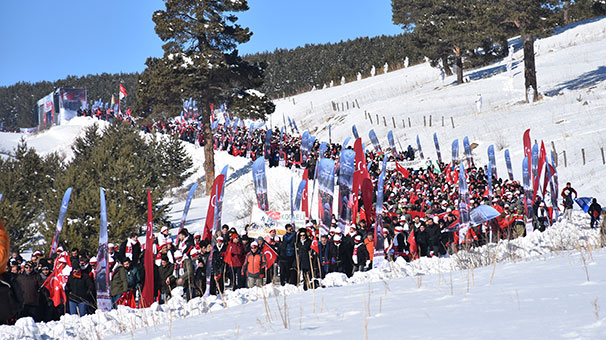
pixel 270 255
pixel 122 92
pixel 55 283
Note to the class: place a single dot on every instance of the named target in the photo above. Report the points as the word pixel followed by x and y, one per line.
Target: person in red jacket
pixel 234 257
pixel 254 266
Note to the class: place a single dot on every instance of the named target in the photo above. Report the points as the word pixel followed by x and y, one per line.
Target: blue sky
pixel 48 40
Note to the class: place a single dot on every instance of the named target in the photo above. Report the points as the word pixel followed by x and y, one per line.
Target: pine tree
pixel 200 61
pixel 530 18
pixel 25 178
pixel 441 28
pixel 126 164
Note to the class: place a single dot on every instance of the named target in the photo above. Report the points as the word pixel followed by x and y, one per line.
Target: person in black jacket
pixel 360 257
pixel 79 290
pixel 422 238
pixel 302 250
pixel 165 270
pixel 131 248
pixel 286 257
pixel 433 231
pixel 594 211
pixel 30 283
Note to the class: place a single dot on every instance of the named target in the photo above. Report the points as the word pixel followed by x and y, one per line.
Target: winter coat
pixel 30 285
pixel 594 210
pixel 79 289
pixel 165 273
pixel 302 249
pixel 133 277
pixel 287 246
pixel 360 254
pixel 433 232
pixel 136 252
pixel 119 282
pixel 237 254
pixel 184 270
pixel 254 265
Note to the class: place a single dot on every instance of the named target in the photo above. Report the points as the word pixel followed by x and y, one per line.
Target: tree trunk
pixel 459 63
pixel 530 72
pixel 567 12
pixel 447 69
pixel 209 152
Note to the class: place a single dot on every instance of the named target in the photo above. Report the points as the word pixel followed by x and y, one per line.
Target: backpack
pixel 12 297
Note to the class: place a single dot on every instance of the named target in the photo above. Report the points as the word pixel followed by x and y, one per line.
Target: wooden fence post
pixel 583 153
pixel 409 125
pixel 429 120
pixel 442 121
pixel 347 105
pixel 424 121
pixel 403 123
pixel 394 122
pixel 452 122
pixel 370 118
pixel 357 103
pixel 603 159
pixel 378 120
pixel 384 121
pixel 565 162
pixel 555 153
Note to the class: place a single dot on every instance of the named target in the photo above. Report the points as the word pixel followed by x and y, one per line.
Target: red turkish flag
pixel 210 214
pixel 314 246
pixel 270 255
pixel 304 195
pixel 402 170
pixel 122 92
pixel 55 283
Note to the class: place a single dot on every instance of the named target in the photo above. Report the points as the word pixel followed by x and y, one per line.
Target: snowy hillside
pixel 571 73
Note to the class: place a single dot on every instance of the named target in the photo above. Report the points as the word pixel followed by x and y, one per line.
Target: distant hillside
pixel 17 102
pixel 288 72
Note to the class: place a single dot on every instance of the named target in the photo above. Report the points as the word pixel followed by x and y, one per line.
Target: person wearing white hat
pixel 163 236
pixel 184 274
pixel 254 266
pixel 360 256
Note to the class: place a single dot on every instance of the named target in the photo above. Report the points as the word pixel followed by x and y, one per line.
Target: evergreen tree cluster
pixel 291 71
pixel 120 159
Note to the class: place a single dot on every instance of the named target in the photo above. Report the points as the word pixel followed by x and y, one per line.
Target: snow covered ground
pixel 545 286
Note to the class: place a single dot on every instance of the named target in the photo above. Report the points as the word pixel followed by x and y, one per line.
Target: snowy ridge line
pixel 562 236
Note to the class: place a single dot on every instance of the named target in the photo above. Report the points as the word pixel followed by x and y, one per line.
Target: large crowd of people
pixel 420 219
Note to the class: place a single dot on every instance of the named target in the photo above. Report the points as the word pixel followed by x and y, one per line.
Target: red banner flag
pixel 412 245
pixel 357 179
pixel 528 149
pixel 270 255
pixel 304 196
pixel 360 159
pixel 210 214
pixel 55 283
pixel 402 170
pixel 147 295
pixel 367 194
